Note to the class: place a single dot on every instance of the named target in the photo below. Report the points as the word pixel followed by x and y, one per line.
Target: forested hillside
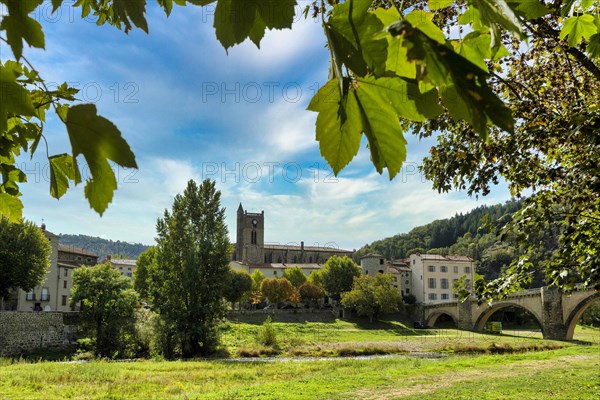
pixel 441 235
pixel 104 247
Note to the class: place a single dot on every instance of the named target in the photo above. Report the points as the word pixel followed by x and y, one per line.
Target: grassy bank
pixel 391 337
pixel 568 373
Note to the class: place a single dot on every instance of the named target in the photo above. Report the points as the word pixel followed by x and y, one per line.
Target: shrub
pixel 266 334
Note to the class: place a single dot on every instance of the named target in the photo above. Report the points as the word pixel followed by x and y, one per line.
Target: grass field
pixel 568 373
pixel 571 372
pixel 385 337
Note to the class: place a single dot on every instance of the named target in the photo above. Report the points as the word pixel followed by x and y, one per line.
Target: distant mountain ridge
pixel 439 234
pixel 104 247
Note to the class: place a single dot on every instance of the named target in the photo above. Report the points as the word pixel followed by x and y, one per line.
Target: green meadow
pixel 462 365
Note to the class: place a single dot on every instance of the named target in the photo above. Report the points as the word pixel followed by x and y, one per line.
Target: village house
pixel 53 294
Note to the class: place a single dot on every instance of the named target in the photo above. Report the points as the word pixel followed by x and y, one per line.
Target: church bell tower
pixel 250 236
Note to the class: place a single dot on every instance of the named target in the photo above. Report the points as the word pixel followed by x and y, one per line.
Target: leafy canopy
pixel 372 295
pixel 187 283
pixel 24 256
pixel 391 62
pixel 109 304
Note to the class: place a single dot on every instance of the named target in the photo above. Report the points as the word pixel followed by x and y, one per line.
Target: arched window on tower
pixel 253 237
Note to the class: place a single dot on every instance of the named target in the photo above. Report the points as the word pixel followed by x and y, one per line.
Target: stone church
pixel 251 251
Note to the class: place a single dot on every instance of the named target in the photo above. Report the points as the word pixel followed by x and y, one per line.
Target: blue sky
pixel 191 111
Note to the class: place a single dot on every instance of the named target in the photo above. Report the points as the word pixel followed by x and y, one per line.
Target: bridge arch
pixel 433 317
pixel 577 312
pixel 487 313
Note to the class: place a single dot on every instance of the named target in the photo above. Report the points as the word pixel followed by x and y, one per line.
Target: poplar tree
pixel 192 262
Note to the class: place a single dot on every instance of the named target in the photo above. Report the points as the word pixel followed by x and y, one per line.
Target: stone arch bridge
pixel 556 313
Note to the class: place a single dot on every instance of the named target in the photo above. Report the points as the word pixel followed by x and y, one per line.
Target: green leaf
pixel 237 20
pixel 98 140
pixel 438 4
pixel 475 47
pixel 56 5
pixel 593 47
pixel 382 128
pixel 422 20
pixel 339 125
pixel 11 207
pixel 498 12
pixel 530 9
pixel 447 69
pixel 404 96
pixel 578 27
pixel 131 11
pixel 19 26
pixel 15 98
pixel 62 169
pixel 397 60
pixel 353 21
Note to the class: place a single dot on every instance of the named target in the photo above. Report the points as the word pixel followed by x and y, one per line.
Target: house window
pixel 45 294
pixel 406 282
pixel 431 268
pixel 468 283
pixel 407 291
pixel 64 301
pixel 30 296
pixel 414 262
pixel 128 268
pixel 130 275
pixel 396 286
pixel 444 296
pixel 381 261
pixel 431 283
pixel 432 296
pixel 310 259
pixel 66 272
pixel 295 259
pixel 366 272
pixel 456 269
pixel 274 272
pixel 64 284
pixel 444 283
pixel 395 279
pixel 467 270
pixel 381 271
pixel 443 268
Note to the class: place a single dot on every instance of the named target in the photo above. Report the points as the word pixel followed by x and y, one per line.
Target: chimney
pixel 301 246
pixel 43 227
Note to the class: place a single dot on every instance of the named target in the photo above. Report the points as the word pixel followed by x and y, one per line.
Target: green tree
pixel 338 275
pixel 109 305
pixel 24 256
pixel 239 285
pixel 144 263
pixel 188 286
pixel 372 296
pixel 295 275
pixel 310 293
pixel 276 290
pixel 256 296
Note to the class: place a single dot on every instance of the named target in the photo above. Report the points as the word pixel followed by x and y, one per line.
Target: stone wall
pixel 21 332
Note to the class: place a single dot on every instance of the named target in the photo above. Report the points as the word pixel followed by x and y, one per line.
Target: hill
pixel 104 247
pixel 439 235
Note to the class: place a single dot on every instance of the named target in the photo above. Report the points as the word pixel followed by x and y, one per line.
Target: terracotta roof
pixel 75 250
pixel 444 258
